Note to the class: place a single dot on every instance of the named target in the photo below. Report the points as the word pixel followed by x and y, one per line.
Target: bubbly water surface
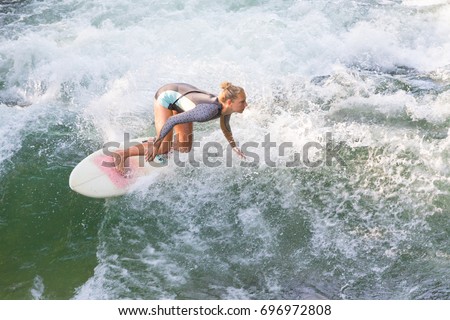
pixel 368 79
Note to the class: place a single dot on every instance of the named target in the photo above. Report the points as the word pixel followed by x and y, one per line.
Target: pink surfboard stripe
pixel 104 163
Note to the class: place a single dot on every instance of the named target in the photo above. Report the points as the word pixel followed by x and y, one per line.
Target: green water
pixel 306 229
pixel 46 229
pixel 76 74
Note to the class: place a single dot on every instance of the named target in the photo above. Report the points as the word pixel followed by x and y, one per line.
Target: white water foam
pixel 37 292
pixel 309 67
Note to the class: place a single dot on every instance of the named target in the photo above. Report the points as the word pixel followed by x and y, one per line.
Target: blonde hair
pixel 229 91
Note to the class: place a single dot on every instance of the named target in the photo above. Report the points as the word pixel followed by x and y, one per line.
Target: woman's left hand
pixel 239 153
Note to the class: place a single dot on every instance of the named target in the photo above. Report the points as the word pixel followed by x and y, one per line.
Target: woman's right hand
pixel 151 152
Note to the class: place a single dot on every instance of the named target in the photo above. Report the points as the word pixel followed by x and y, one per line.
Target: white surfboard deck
pixel 96 177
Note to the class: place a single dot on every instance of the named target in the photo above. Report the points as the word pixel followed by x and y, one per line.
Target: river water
pixel 356 92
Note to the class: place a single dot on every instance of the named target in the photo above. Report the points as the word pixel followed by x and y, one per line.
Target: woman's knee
pixel 182 143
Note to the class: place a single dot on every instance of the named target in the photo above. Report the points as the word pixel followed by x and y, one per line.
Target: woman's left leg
pixel 180 138
pixel 183 137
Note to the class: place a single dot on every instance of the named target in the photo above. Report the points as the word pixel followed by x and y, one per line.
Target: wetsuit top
pixel 192 105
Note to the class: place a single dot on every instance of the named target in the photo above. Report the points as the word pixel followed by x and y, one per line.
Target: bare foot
pixel 119 161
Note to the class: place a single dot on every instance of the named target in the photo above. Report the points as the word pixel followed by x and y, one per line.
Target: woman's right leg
pixel 161 115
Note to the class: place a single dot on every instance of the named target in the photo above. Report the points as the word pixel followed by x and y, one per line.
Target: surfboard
pixel 96 177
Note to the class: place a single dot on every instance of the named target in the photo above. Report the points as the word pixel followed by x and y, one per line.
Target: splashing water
pixel 373 75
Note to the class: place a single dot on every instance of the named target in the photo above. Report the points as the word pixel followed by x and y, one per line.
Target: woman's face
pixel 240 103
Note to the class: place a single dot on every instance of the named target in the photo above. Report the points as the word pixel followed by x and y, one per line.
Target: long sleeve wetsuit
pixel 192 105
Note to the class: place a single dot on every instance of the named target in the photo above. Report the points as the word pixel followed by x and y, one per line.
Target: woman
pixel 176 107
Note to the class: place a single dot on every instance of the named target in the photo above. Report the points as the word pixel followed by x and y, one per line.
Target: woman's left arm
pixel 225 126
